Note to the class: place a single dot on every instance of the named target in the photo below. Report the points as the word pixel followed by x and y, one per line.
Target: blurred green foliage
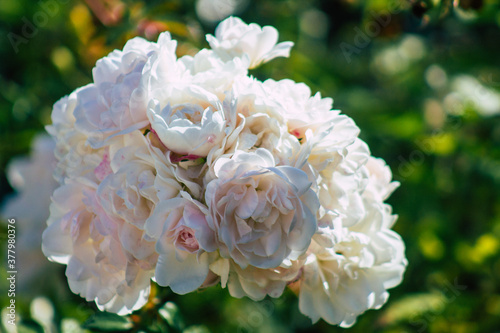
pixel 420 78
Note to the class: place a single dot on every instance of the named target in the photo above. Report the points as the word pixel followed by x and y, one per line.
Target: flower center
pixel 186 240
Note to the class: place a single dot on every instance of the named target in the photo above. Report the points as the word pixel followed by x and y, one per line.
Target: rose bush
pixel 190 172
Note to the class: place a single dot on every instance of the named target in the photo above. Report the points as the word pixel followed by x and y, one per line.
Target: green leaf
pixel 158 328
pixel 107 322
pixel 170 312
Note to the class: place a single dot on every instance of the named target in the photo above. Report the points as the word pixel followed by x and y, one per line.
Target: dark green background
pixel 448 165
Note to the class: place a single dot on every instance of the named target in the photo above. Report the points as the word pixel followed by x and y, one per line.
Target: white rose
pixel 265 122
pixel 296 100
pixel 183 238
pixel 207 70
pixel 204 126
pixel 235 38
pixel 189 129
pixel 117 100
pixel 81 235
pixel 170 80
pixel 324 133
pixel 341 186
pixel 128 191
pixel 262 214
pixel 75 157
pixel 342 282
pixel 355 257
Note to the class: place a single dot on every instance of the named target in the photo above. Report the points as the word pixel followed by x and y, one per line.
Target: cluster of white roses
pixel 190 172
